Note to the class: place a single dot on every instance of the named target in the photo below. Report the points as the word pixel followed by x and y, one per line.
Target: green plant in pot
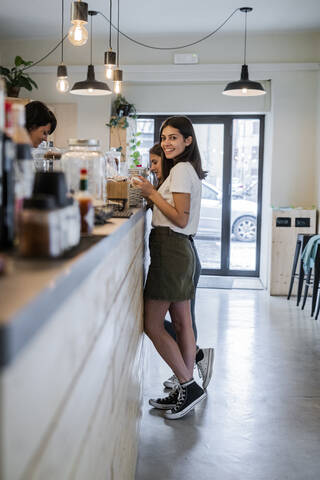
pixel 16 78
pixel 120 110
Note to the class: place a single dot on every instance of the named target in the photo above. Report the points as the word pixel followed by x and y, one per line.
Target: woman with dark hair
pixel 204 356
pixel 170 281
pixel 40 122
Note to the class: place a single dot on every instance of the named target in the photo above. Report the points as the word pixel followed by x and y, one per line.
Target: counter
pixel 71 359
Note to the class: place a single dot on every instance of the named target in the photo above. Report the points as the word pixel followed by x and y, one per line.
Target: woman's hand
pixel 143 185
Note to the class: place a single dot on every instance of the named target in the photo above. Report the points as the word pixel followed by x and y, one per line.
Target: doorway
pixel 231 147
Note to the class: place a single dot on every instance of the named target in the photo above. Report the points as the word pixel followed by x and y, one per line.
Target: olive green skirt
pixel 171 271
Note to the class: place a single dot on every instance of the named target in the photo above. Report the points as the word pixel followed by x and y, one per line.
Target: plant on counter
pixel 135 154
pixel 15 77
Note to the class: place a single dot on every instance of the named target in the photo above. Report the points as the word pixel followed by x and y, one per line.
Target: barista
pixel 40 122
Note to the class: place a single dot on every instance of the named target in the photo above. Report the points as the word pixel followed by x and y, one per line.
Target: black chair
pixel 302 240
pixel 314 282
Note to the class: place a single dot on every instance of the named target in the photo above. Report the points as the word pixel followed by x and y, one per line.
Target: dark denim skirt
pixel 171 271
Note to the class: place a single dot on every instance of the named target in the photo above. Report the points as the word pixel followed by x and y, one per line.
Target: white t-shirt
pixel 182 179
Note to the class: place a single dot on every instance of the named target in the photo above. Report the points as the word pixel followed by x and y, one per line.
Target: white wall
pixel 154 85
pixel 93 112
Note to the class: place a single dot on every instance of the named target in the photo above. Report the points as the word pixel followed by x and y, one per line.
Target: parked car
pixel 243 215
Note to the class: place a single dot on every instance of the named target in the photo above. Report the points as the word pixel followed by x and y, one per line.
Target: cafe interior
pixel 76 369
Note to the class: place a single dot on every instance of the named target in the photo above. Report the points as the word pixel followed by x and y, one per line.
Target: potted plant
pixel 15 77
pixel 120 110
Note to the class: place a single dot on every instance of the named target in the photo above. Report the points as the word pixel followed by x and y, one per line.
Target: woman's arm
pixel 178 213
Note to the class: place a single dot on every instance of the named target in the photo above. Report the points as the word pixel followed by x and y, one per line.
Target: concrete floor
pixel 261 420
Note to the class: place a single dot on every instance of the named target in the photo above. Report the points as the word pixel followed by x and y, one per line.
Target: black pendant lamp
pixel 244 87
pixel 91 86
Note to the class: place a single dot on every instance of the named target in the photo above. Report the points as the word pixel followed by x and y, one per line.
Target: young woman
pixel 170 281
pixel 204 356
pixel 40 122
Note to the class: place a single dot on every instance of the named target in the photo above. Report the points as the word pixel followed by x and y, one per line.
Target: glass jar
pixel 39 227
pixel 86 154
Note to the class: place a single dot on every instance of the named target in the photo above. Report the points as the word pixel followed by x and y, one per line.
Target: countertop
pixel 35 288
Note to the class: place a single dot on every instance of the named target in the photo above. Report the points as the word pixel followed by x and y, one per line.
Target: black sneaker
pixel 190 394
pixel 166 403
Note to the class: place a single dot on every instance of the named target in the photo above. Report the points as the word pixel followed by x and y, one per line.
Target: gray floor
pixel 261 420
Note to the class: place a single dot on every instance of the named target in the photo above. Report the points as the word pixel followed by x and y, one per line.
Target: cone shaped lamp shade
pixel 244 87
pixel 91 86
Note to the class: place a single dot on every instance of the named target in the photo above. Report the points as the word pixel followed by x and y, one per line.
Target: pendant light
pixel 62 74
pixel 91 86
pixel 78 35
pixel 244 87
pixel 117 73
pixel 110 55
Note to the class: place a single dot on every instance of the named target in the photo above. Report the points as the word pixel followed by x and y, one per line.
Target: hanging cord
pixel 118 36
pixel 169 48
pixel 110 17
pixel 91 42
pixel 45 56
pixel 135 41
pixel 245 39
pixel 62 21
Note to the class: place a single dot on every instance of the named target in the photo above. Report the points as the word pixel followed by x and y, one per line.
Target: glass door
pixel 210 137
pixel 231 147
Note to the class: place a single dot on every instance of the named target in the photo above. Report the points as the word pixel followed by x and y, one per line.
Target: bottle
pixel 24 170
pixel 85 204
pixel 1 147
pixel 8 153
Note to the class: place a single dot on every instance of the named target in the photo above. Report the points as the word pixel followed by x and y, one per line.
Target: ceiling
pixel 162 17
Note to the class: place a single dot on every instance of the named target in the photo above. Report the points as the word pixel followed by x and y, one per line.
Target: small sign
pixel 283 222
pixel 302 222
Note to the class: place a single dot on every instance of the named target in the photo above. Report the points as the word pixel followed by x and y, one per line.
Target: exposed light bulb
pixel 117 87
pixel 77 34
pixel 109 72
pixel 244 91
pixel 62 84
pixel 90 90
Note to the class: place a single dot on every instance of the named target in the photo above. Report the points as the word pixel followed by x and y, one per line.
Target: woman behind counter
pixel 40 122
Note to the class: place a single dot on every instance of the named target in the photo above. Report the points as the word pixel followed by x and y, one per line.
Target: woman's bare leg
pixel 154 313
pixel 181 317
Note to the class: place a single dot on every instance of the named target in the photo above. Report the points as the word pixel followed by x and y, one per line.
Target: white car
pixel 243 215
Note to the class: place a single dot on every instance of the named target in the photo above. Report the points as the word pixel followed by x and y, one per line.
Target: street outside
pixel 242 254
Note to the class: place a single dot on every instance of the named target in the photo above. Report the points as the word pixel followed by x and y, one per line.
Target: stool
pixel 302 240
pixel 314 283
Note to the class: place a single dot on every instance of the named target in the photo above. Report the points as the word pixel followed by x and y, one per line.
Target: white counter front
pixel 71 360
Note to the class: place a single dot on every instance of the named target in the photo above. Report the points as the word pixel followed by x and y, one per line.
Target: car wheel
pixel 245 229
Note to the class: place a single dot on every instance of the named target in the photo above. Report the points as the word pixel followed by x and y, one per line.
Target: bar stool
pixel 302 240
pixel 314 282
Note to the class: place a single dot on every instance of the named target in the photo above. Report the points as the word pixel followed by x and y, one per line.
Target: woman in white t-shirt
pixel 169 284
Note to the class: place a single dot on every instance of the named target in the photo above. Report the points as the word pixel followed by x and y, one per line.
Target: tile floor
pixel 261 420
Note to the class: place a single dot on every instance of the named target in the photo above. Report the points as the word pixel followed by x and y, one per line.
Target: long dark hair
pixel 191 152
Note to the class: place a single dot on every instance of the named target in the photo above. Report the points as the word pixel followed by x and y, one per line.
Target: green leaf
pixel 138 143
pixel 33 83
pixel 24 82
pixel 18 61
pixel 4 71
pixel 138 133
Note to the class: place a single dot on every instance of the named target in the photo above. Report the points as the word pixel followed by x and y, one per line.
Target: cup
pixel 52 183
